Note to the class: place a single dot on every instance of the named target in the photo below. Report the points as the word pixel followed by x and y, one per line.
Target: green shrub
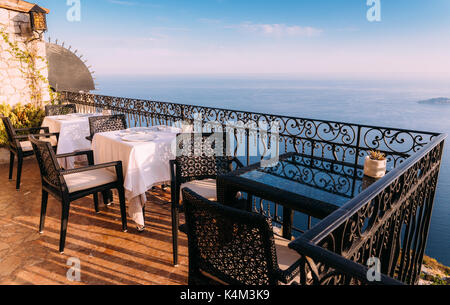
pixel 21 116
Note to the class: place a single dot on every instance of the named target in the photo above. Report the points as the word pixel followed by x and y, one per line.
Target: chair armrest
pixel 91 168
pixel 74 154
pixel 33 130
pixel 286 276
pixel 40 135
pixel 88 153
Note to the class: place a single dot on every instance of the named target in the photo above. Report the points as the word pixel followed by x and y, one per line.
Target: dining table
pixel 145 153
pixel 73 130
pixel 315 186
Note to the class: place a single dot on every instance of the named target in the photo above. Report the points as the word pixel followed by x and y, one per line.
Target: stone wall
pixel 14 84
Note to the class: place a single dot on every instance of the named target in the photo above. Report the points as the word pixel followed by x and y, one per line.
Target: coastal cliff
pixel 434 273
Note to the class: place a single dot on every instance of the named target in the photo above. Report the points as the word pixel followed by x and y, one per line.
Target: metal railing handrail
pixel 332 222
pixel 339 263
pixel 256 113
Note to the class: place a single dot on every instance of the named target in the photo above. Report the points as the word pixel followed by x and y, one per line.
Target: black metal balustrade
pixel 388 220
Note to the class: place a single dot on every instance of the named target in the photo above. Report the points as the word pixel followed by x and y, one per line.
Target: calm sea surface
pixel 390 104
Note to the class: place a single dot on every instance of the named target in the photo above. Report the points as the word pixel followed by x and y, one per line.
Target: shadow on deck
pixel 107 255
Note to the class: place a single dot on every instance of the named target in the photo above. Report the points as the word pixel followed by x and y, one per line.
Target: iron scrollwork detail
pixel 393 225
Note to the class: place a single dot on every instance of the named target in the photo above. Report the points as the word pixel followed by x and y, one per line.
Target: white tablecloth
pixel 145 164
pixel 72 135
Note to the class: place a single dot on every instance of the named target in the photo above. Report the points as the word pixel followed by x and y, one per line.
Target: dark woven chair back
pixel 10 131
pixel 52 110
pixel 99 124
pixel 201 156
pixel 48 165
pixel 228 245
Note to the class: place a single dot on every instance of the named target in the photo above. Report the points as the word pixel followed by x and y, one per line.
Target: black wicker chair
pixel 106 123
pixel 19 146
pixel 196 166
pixel 234 247
pixel 70 185
pixel 52 110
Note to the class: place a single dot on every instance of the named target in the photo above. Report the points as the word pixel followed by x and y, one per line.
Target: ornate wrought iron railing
pixel 388 221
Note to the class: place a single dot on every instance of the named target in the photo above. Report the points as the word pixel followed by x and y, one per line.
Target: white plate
pixel 78 115
pixel 138 129
pixel 63 118
pixel 139 138
pixel 163 128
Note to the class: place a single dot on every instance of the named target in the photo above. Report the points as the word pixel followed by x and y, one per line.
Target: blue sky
pixel 314 38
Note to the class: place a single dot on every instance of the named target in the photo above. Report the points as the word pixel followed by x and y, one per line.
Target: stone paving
pixel 107 255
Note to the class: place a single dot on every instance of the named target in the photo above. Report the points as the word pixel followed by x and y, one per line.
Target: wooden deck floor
pixel 107 255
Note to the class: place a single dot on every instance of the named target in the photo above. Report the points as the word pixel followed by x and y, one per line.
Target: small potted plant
pixel 375 165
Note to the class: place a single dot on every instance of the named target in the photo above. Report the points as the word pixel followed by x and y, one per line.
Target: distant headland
pixel 436 101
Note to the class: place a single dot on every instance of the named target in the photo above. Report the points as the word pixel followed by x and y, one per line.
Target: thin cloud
pixel 278 30
pixel 129 3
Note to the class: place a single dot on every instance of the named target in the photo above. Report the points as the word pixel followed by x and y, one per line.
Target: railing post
pixel 288 220
pixel 183 117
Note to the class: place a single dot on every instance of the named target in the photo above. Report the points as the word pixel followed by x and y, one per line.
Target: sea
pixel 387 103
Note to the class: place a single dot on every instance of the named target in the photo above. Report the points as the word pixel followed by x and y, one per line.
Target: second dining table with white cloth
pixel 145 154
pixel 73 130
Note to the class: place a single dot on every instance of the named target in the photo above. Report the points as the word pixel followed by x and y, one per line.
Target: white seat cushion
pixel 26 145
pixel 205 188
pixel 286 257
pixel 86 180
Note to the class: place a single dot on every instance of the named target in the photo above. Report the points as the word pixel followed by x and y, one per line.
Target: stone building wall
pixel 14 84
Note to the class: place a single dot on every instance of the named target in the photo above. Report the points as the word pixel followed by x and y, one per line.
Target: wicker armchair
pixel 52 110
pixel 107 123
pixel 71 185
pixel 235 247
pixel 19 146
pixel 196 166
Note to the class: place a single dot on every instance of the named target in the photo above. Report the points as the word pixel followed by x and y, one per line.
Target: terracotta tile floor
pixel 107 255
